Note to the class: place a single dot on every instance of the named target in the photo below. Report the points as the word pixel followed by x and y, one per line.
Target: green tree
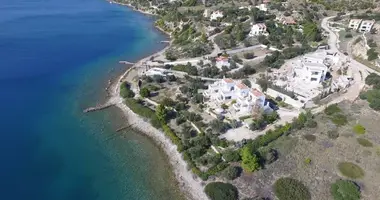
pixel 345 190
pixel 231 156
pixel 231 172
pixel 372 54
pixel 161 113
pixel 311 31
pixel 250 162
pixel 144 92
pixel 247 82
pixel 221 191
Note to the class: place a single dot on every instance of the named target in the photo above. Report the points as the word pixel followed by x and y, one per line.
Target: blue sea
pixel 56 58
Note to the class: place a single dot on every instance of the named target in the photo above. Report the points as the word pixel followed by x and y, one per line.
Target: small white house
pixel 258 29
pixel 366 25
pixel 216 14
pixel 354 24
pixel 222 61
pixel 206 13
pixel 262 7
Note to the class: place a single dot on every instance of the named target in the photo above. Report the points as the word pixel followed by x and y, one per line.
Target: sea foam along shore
pixel 189 183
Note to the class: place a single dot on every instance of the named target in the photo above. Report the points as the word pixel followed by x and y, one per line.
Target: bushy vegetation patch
pixel 125 91
pixel 232 172
pixel 332 109
pixel 291 189
pixel 372 95
pixel 345 190
pixel 359 129
pixel 310 137
pixel 364 142
pixel 221 191
pixel 339 119
pixel 350 170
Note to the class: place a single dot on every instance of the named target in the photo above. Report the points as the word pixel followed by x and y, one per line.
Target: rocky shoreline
pixel 189 183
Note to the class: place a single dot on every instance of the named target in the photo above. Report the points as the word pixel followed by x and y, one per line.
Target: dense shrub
pixel 125 91
pixel 339 119
pixel 332 109
pixel 291 189
pixel 221 191
pixel 359 129
pixel 249 55
pixel 350 170
pixel 345 190
pixel 231 172
pixel 231 156
pixel 332 134
pixel 364 142
pixel 271 156
pixel 144 92
pixel 310 137
pixel 250 162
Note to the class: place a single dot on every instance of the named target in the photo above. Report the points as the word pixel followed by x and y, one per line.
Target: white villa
pixel 222 61
pixel 366 25
pixel 311 69
pixel 361 25
pixel 215 15
pixel 354 24
pixel 258 29
pixel 304 75
pixel 226 90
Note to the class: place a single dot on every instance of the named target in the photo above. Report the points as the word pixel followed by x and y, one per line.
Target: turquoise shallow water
pixel 55 60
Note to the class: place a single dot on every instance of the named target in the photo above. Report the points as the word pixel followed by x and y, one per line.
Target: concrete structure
pixel 226 90
pixel 258 29
pixel 361 25
pixel 354 24
pixel 262 7
pixel 216 14
pixel 305 76
pixel 206 13
pixel 157 71
pixel 366 25
pixel 311 70
pixel 222 61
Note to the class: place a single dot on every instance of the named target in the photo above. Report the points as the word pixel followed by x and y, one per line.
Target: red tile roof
pixel 256 93
pixel 242 86
pixel 228 80
pixel 221 58
pixel 261 25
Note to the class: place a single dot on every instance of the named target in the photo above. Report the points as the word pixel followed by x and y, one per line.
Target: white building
pixel 206 13
pixel 262 7
pixel 157 71
pixel 215 15
pixel 258 29
pixel 312 69
pixel 226 90
pixel 222 61
pixel 354 24
pixel 366 25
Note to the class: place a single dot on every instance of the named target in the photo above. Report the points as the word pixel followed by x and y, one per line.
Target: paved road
pixel 333 40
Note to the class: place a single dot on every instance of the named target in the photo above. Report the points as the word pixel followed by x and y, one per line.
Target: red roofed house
pixel 288 21
pixel 222 61
pixel 258 29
